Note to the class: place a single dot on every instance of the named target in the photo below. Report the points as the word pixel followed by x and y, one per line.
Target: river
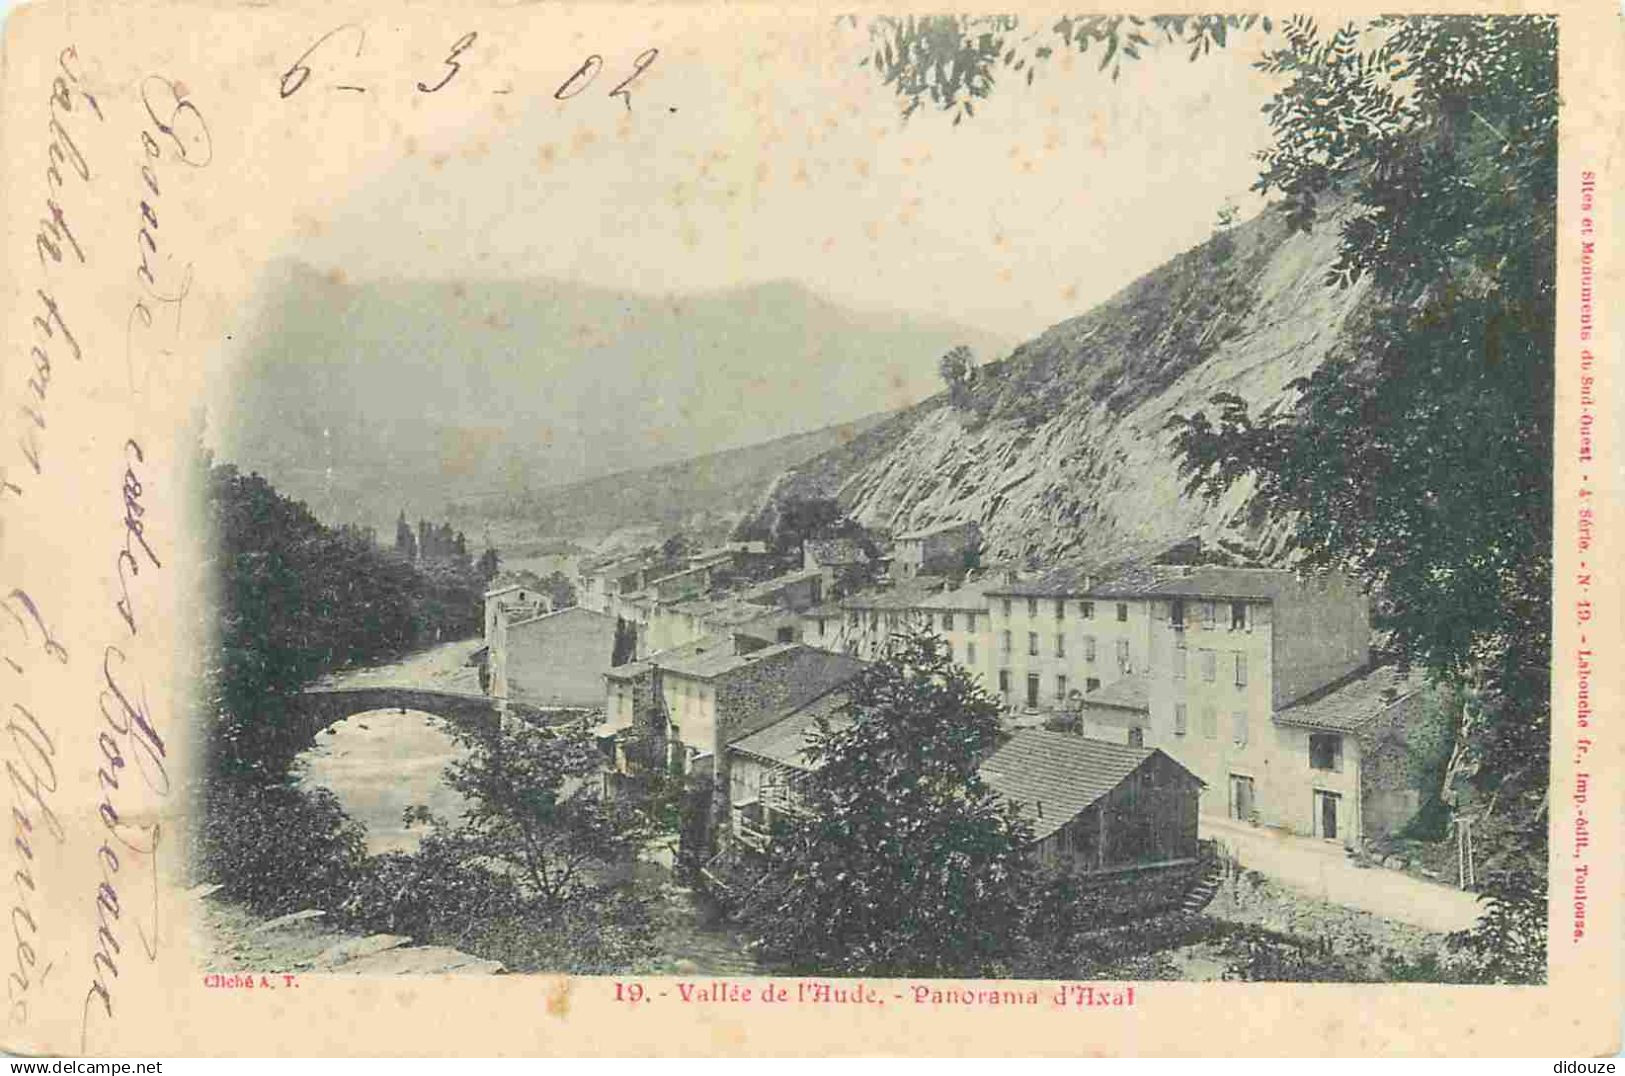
pixel 380 763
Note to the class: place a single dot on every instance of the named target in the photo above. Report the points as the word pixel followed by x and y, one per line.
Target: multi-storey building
pixel 960 618
pixel 1069 632
pixel 1229 649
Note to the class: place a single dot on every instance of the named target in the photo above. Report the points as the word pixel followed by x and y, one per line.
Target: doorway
pixel 1032 691
pixel 1242 803
pixel 1327 807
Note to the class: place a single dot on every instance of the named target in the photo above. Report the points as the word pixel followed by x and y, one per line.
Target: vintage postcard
pixel 729 529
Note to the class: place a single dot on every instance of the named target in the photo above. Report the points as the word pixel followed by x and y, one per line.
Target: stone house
pixel 551 660
pixel 698 699
pixel 517 600
pixel 1358 759
pixel 945 548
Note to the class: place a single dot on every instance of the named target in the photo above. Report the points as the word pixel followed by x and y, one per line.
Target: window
pixel 1005 640
pixel 970 653
pixel 874 620
pixel 852 618
pixel 1086 610
pixel 1238 616
pixel 1004 682
pixel 1210 665
pixel 1122 655
pixel 1060 688
pixel 1032 691
pixel 1091 684
pixel 1207 615
pixel 1181 719
pixel 1089 648
pixel 1122 612
pixel 947 622
pixel 1238 733
pixel 1006 604
pixel 1176 613
pixel 1326 752
pixel 1210 723
pixel 970 621
pixel 1060 645
pixel 1241 670
pixel 785 635
pixel 820 627
pixel 1032 643
pixel 1179 663
pixel 1136 737
pixel 1032 607
pixel 1060 609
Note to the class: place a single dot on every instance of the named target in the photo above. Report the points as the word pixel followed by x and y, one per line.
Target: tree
pixel 903 863
pixel 958 368
pixel 406 544
pixel 488 565
pixel 801 518
pixel 534 812
pixel 561 590
pixel 625 647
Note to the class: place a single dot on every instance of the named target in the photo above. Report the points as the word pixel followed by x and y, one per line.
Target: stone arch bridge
pixel 318 708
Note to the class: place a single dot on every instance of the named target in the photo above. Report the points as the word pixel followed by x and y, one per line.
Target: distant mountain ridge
pixel 705 494
pixel 1062 452
pixel 364 398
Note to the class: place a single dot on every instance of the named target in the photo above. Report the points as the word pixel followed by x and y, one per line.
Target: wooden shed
pixel 1096 805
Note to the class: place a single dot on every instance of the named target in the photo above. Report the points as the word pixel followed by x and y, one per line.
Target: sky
pixel 788 160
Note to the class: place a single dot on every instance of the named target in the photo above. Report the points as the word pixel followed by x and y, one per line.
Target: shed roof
pixel 1054 776
pixel 1132 692
pixel 785 740
pixel 1354 702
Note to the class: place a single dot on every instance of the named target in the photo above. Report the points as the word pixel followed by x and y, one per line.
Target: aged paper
pixel 684 529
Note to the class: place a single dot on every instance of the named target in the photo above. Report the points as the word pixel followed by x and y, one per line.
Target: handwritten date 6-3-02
pixel 451 66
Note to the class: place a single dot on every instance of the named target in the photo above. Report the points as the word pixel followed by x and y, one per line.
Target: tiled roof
pixel 1135 580
pixel 1208 581
pixel 971 597
pixel 778 583
pixel 1350 704
pixel 785 740
pixel 708 665
pixel 1053 776
pixel 707 643
pixel 1132 692
pixel 1056 583
pixel 905 596
pixel 829 610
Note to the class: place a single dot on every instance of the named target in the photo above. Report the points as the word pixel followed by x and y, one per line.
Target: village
pixel 1148 706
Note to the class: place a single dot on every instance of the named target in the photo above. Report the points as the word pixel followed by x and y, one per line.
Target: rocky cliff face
pixel 1061 451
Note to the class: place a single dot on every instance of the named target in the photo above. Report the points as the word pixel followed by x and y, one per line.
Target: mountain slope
pixel 362 398
pixel 706 494
pixel 1061 451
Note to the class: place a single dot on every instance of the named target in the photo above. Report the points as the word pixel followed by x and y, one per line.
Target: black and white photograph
pixel 1135 568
